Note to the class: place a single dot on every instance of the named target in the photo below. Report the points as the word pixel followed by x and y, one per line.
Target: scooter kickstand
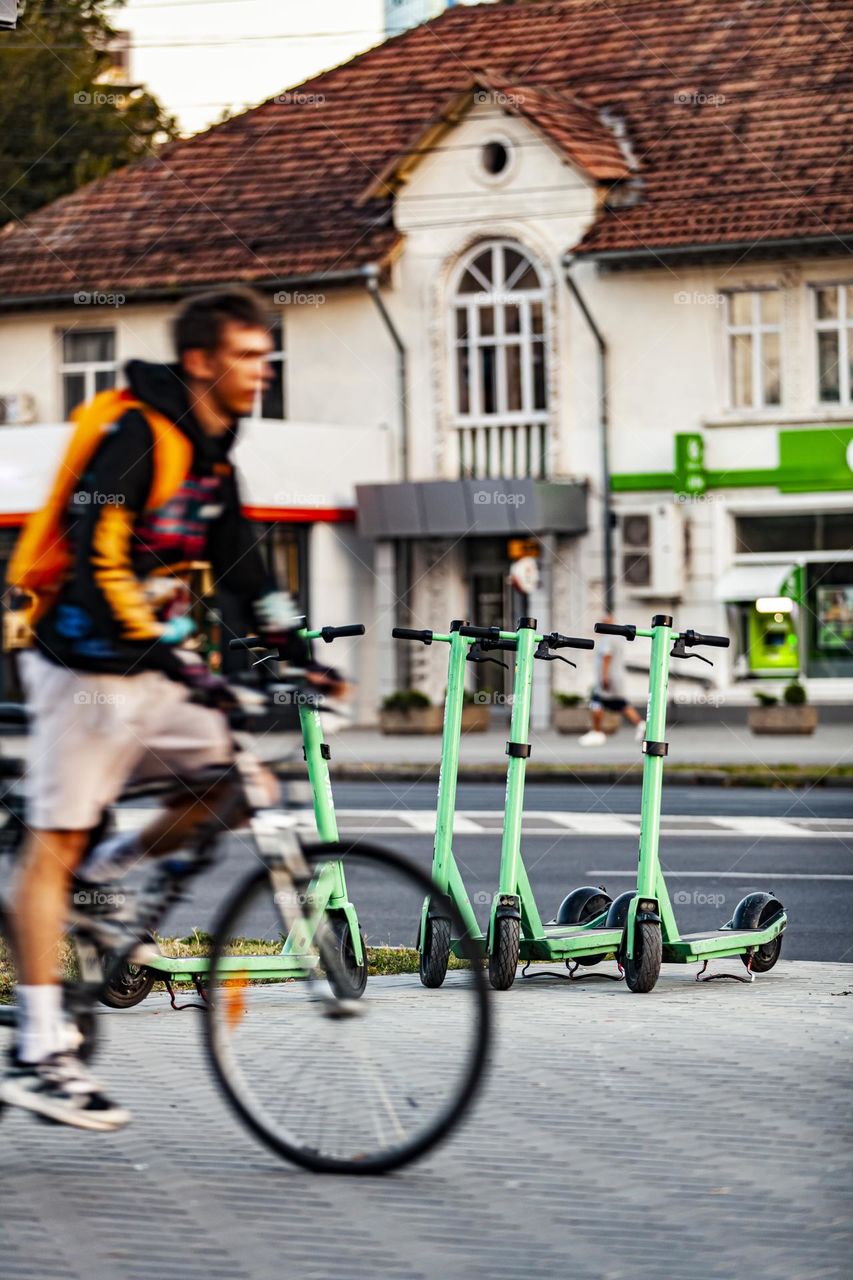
pixel 735 977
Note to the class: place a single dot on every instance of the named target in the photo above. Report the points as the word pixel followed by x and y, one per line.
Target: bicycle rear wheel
pixel 356 1086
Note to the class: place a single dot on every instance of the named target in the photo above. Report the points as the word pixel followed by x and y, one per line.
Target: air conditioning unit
pixel 651 550
pixel 17 410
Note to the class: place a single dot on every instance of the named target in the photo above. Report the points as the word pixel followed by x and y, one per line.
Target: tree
pixel 60 128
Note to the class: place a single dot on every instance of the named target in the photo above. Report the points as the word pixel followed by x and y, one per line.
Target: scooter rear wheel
pixel 764 958
pixel 503 960
pixel 435 951
pixel 642 969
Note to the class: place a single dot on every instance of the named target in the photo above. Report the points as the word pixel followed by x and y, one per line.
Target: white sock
pixel 40 1021
pixel 112 858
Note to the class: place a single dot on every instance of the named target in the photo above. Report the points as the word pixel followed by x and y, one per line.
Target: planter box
pixel 783 719
pixel 578 719
pixel 475 718
pixel 413 720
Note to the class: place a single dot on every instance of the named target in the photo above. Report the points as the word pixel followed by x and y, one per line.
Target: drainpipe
pixel 604 431
pixel 403 546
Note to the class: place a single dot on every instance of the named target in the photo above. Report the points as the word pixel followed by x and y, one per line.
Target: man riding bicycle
pixel 146 487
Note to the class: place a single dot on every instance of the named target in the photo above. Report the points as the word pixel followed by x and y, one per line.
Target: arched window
pixel 499 365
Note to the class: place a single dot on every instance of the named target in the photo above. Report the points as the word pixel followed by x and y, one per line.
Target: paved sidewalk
pixel 701 1130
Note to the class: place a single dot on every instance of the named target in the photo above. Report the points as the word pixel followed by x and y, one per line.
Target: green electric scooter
pixel 584 931
pixel 754 932
pixel 435 942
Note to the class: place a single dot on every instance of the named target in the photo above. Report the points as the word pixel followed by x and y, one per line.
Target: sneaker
pixel 62 1090
pixel 640 731
pixel 594 738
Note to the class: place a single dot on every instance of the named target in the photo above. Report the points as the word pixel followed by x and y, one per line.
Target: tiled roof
pixel 738 113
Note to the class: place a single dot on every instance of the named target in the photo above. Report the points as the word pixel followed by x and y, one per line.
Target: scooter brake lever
pixel 678 651
pixel 475 654
pixel 543 654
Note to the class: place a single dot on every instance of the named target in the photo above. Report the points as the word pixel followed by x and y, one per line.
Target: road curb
pixel 685 776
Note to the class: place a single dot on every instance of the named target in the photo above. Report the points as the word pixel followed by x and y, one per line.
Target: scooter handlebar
pixel 481 633
pixel 696 637
pixel 248 642
pixel 557 641
pixel 350 629
pixel 614 629
pixel 406 633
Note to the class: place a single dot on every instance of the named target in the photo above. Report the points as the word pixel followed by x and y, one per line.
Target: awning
pixel 455 508
pixel 751 581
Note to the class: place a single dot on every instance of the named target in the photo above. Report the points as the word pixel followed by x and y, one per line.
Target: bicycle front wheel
pixel 332 1080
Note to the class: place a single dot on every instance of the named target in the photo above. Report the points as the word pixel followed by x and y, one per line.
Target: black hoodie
pixel 102 619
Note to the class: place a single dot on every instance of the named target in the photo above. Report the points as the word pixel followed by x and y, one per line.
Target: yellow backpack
pixel 41 558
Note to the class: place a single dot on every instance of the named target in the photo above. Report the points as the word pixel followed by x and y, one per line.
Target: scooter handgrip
pixel 351 629
pixel 615 629
pixel 248 642
pixel 507 646
pixel 406 633
pixel 557 641
pixel 481 633
pixel 716 642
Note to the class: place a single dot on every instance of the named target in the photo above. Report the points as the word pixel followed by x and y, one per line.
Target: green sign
pixel 821 459
pixel 690 477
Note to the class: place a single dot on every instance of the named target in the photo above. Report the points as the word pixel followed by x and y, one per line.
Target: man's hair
pixel 200 321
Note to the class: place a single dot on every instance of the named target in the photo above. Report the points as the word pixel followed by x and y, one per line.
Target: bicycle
pixel 331 1079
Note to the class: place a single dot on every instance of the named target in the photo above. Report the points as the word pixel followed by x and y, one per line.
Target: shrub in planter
pixel 793 716
pixel 572 715
pixel 409 711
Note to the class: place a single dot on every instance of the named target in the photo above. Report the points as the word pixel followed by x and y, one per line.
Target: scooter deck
pixel 720 942
pixel 565 942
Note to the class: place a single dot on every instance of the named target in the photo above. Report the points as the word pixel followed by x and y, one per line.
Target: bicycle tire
pixel 383 999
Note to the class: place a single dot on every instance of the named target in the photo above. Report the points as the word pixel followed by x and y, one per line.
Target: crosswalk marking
pixel 472 822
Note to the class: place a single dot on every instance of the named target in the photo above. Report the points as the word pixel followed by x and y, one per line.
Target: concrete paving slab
pixel 700 1130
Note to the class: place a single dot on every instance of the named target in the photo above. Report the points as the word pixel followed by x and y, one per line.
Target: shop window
pixel 823 531
pixel 754 329
pixel 833 320
pixel 88 365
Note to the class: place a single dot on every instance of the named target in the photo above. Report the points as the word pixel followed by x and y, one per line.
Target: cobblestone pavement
pixel 701 1130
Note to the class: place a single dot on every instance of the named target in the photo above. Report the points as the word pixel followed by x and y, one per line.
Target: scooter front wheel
pixel 643 968
pixel 503 960
pixel 435 951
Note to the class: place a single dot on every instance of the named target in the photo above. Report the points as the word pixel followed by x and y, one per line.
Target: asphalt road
pixel 707 875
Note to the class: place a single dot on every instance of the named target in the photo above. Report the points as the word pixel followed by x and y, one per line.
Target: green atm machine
pixel 772 637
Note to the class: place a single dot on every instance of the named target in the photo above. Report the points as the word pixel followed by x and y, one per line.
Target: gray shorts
pixel 91 734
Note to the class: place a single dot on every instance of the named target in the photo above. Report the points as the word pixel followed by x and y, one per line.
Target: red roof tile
pixel 737 112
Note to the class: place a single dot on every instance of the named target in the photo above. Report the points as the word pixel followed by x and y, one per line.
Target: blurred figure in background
pixel 608 693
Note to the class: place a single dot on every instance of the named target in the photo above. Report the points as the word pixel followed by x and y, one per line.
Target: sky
pixel 201 56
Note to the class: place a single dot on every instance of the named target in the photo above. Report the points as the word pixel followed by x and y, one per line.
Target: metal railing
pixel 506 449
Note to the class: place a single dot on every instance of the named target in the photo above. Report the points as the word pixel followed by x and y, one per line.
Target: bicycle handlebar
pixel 696 637
pixel 407 633
pixel 557 641
pixel 614 629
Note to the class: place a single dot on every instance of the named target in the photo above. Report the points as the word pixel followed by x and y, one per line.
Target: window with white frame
pixel 88 365
pixel 754 328
pixel 498 338
pixel 271 403
pixel 833 317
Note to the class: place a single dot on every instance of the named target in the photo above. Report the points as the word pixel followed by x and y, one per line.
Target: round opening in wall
pixel 495 158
